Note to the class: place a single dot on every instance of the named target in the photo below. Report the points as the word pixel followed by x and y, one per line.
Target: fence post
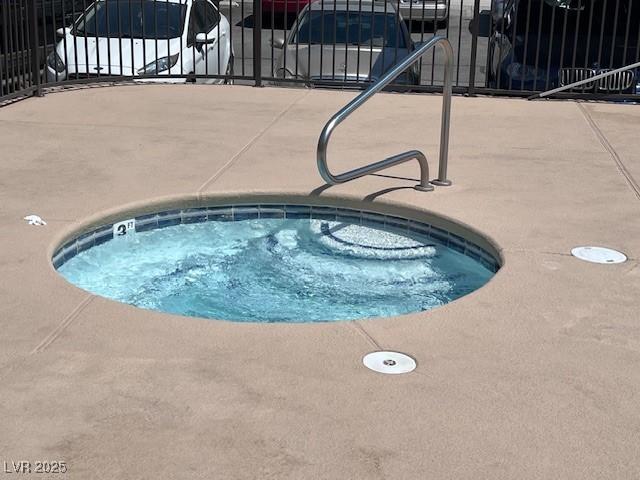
pixel 474 46
pixel 34 47
pixel 257 42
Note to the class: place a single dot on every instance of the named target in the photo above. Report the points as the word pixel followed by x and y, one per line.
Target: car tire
pixel 229 72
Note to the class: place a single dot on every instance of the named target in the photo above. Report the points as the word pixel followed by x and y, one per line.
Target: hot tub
pixel 274 261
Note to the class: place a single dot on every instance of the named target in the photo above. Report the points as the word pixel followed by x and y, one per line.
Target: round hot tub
pixel 276 263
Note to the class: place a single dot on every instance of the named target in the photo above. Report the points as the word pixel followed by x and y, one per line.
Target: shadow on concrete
pixel 316 192
pixel 372 196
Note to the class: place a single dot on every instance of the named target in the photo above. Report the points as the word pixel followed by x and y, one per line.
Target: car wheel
pixel 229 72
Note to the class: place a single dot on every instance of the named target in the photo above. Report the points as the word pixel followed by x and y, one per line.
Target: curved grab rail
pixel 357 102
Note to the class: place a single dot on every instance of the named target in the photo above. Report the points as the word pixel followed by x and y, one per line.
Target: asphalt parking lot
pixel 240 15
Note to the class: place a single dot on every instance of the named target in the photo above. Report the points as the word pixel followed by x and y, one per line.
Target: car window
pixel 132 19
pixel 213 17
pixel 578 17
pixel 204 18
pixel 351 28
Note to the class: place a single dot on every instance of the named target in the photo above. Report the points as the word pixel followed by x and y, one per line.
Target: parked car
pixel 425 10
pixel 16 15
pixel 283 6
pixel 135 38
pixel 345 41
pixel 542 44
pixel 416 10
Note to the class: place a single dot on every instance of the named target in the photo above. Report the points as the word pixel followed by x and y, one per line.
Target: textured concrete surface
pixel 535 376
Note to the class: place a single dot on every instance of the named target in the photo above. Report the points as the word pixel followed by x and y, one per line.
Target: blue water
pixel 276 270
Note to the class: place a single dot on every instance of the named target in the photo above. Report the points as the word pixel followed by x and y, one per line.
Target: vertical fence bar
pixel 459 45
pixel 108 28
pixel 295 74
pixel 187 24
pixel 35 48
pixel 64 40
pixel 526 42
pixel 120 64
pixel 218 34
pixel 24 45
pixel 2 56
pixel 359 41
pixel 550 52
pixel 54 32
pixel 474 47
pixel 346 44
pixel 615 32
pixel 490 52
pixel 576 36
pixel 602 29
pixel 563 44
pixel 75 39
pixel 434 24
pixel 242 27
pixel 86 40
pixel 257 43
pixel 335 39
pixel 12 48
pixel 272 19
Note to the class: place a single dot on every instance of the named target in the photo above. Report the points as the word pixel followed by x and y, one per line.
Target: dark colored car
pixel 542 44
pixel 51 15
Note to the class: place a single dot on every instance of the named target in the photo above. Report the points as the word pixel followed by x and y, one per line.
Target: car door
pixel 205 56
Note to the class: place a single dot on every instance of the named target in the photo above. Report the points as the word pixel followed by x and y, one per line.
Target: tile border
pixel 240 212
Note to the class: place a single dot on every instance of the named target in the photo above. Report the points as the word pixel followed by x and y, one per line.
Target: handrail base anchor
pixel 441 183
pixel 424 188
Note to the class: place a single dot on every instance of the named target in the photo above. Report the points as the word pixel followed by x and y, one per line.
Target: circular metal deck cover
pixel 392 363
pixel 598 255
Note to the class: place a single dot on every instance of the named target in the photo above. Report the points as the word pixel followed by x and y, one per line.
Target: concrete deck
pixel 535 376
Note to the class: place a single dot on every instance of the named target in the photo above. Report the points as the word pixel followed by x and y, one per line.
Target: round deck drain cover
pixel 598 255
pixel 391 363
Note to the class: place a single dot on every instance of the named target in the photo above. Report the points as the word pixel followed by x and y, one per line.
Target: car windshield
pixel 351 28
pixel 586 17
pixel 133 19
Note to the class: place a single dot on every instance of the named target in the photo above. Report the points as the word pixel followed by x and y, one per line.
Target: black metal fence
pixel 503 47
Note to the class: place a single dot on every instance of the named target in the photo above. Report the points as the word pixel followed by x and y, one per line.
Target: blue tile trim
pixel 103 236
pixel 458 247
pixel 167 219
pixel 443 239
pixel 70 251
pixel 146 222
pixel 420 228
pixel 220 214
pixel 58 260
pixel 85 242
pixel 396 223
pixel 349 216
pixel 245 213
pixel 324 213
pixel 271 211
pixel 373 220
pixel 297 212
pixel 427 233
pixel 194 215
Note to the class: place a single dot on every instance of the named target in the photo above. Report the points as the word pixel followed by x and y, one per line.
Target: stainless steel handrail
pixel 584 82
pixel 357 102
